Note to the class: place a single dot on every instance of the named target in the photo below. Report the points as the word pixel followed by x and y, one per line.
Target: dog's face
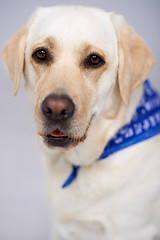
pixel 69 60
pixel 78 63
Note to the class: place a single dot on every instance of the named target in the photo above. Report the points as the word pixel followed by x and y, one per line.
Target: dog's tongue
pixel 57 133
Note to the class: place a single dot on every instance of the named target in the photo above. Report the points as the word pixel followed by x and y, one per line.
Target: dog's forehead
pixel 72 24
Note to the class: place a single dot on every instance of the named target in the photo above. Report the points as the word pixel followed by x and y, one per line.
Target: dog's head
pixel 78 63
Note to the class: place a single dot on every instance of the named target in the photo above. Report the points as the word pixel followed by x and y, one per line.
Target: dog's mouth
pixel 60 139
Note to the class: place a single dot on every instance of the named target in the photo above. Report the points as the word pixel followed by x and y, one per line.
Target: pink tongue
pixel 57 133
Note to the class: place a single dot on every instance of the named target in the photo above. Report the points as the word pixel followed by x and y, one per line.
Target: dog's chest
pixel 107 197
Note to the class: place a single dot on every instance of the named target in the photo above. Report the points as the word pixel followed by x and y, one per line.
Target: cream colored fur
pixel 117 198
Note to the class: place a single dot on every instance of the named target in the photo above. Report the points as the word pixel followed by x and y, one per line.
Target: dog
pixel 85 72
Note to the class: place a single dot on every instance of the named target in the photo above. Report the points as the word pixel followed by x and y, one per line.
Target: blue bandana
pixel 144 124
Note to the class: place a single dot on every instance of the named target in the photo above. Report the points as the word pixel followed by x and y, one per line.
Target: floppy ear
pixel 135 58
pixel 13 56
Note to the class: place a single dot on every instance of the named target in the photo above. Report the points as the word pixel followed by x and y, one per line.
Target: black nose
pixel 57 107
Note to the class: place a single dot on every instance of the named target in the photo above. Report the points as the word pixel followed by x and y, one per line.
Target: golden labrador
pixel 85 72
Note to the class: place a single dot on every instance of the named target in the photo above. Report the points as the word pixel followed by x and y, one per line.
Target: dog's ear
pixel 14 51
pixel 13 56
pixel 135 58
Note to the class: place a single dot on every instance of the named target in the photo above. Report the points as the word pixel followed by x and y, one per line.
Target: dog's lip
pixel 59 138
pixel 57 134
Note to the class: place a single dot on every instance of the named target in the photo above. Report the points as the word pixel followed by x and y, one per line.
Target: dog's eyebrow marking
pixel 49 42
pixel 87 48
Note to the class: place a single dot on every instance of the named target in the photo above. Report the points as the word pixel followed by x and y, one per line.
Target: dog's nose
pixel 57 107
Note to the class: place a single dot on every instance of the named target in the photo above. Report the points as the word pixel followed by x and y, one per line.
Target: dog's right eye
pixel 41 55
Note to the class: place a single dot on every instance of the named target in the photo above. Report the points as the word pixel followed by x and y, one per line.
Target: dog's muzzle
pixel 57 110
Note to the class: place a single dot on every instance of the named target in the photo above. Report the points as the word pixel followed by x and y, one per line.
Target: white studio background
pixel 24 210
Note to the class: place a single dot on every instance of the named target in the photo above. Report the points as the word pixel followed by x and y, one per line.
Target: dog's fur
pixel 117 198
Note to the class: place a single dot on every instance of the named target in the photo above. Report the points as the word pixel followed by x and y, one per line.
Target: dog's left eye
pixel 94 61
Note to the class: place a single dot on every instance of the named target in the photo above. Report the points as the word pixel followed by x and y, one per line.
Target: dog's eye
pixel 94 61
pixel 40 55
